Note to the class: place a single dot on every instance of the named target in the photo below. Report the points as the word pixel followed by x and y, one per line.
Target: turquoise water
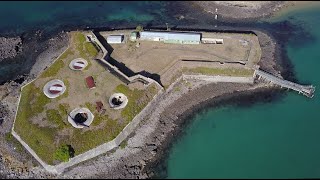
pixel 267 140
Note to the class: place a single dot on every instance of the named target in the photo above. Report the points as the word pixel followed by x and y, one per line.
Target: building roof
pixel 183 36
pixel 115 38
pixel 90 82
pixel 99 106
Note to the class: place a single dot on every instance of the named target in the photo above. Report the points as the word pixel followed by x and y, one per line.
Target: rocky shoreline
pixel 15 161
pixel 10 47
pixel 241 10
pixel 147 148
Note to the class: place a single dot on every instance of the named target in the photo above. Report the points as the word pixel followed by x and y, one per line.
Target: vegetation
pixel 33 100
pixel 135 103
pixel 123 144
pixel 64 153
pixel 90 106
pixel 87 50
pixel 57 65
pixel 32 103
pixel 63 109
pixel 10 139
pixel 139 28
pixel 220 71
pixel 66 92
pixel 54 116
pixel 177 89
pixel 49 142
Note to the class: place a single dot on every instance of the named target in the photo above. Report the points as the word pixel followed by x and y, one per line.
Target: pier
pixel 307 90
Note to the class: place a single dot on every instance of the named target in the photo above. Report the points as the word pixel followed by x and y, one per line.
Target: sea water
pixel 279 139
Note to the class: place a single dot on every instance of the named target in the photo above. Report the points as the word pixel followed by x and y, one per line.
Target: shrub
pixel 64 153
pixel 123 144
pixel 139 28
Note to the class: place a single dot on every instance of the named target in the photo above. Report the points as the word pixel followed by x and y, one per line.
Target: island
pixel 93 97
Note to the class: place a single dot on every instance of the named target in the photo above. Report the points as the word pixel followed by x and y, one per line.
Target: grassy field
pixel 219 71
pixel 42 122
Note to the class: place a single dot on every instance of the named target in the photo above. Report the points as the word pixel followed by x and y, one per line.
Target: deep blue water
pixel 17 17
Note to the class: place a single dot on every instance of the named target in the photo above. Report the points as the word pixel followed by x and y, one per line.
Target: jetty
pixel 307 90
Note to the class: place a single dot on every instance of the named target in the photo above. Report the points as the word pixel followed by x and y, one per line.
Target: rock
pixel 10 47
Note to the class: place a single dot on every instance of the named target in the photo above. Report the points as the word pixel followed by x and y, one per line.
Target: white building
pixel 115 39
pixel 211 41
pixel 171 37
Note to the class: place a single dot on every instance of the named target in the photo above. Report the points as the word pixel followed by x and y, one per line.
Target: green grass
pixel 10 139
pixel 90 106
pixel 97 137
pixel 53 115
pixel 39 139
pixel 63 108
pixel 135 102
pixel 57 65
pixel 34 100
pixel 66 92
pixel 123 144
pixel 62 153
pixel 46 140
pixel 91 49
pixel 220 71
pixel 87 50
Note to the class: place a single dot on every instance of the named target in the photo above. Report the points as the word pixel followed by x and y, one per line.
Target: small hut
pixel 90 82
pixel 115 39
